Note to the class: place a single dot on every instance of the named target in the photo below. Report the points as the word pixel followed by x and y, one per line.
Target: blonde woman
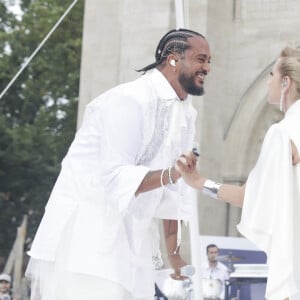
pixel 271 196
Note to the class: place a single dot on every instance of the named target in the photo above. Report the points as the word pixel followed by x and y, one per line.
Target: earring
pixel 284 84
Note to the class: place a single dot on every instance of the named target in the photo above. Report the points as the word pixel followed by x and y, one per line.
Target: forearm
pixel 232 194
pixel 170 233
pixel 155 179
pixel 174 257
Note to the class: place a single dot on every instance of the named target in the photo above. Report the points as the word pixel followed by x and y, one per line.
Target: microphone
pixel 187 270
pixel 195 151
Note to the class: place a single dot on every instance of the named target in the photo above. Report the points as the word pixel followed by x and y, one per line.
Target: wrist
pixel 211 188
pixel 200 182
pixel 175 174
pixel 163 176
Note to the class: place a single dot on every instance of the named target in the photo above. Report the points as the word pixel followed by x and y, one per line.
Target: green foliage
pixel 38 113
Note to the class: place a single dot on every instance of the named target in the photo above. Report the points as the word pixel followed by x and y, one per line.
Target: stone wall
pixel 246 37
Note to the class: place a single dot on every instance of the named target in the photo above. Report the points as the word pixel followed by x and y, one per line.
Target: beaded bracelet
pixel 162 177
pixel 171 181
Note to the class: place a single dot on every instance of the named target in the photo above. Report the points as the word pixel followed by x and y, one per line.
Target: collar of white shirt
pixel 162 86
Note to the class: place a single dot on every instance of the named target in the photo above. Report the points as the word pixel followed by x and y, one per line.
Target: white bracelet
pixel 171 181
pixel 162 177
pixel 211 188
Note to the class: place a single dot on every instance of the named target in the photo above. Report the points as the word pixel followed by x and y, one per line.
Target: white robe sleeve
pixel 123 125
pixel 269 212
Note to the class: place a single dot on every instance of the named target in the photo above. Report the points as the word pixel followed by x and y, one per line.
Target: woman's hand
pixel 186 167
pixel 295 154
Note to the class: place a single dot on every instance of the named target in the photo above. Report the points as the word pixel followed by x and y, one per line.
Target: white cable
pixel 37 49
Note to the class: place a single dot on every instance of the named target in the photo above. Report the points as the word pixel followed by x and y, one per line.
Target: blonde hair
pixel 290 66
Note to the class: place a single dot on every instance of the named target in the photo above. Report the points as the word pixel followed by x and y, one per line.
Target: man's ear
pixel 172 60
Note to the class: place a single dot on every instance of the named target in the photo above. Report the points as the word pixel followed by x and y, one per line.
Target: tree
pixel 38 113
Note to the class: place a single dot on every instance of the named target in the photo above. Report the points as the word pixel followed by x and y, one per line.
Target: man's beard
pixel 188 84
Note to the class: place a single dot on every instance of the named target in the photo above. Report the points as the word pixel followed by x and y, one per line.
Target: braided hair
pixel 173 41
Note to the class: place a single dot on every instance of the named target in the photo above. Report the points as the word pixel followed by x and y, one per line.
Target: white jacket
pixel 127 131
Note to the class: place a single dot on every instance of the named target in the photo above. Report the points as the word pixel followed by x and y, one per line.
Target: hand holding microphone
pixel 195 152
pixel 186 163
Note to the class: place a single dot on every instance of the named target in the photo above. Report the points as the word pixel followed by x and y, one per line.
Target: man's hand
pixel 186 166
pixel 186 163
pixel 177 263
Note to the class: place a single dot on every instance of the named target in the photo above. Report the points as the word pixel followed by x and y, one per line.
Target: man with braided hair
pixel 95 240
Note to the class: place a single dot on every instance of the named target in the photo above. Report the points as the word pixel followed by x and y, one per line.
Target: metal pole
pixel 195 248
pixel 180 16
pixel 182 21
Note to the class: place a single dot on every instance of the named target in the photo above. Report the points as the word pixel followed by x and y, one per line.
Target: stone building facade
pixel 245 36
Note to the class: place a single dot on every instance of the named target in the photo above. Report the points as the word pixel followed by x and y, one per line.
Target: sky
pixel 14 6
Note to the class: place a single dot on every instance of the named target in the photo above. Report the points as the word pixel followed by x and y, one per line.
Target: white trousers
pixel 90 287
pixel 75 286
